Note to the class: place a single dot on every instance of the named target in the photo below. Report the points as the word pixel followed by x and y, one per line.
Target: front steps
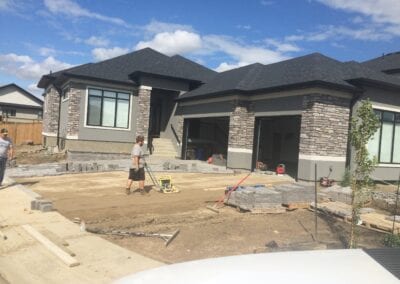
pixel 163 147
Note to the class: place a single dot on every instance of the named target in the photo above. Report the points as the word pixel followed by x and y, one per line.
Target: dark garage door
pixel 276 141
pixel 204 137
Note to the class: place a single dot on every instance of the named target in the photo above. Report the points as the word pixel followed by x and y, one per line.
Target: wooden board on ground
pixel 337 209
pixel 62 255
pixel 275 210
pixel 378 221
pixel 294 206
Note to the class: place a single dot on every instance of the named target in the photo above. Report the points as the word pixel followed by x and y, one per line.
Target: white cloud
pixel 224 66
pixel 155 27
pixel 380 11
pixel 243 27
pixel 46 51
pixel 282 46
pixel 5 5
pixel 342 32
pixel 170 43
pixel 101 53
pixel 72 9
pixel 241 53
pixel 97 41
pixel 32 88
pixel 24 67
pixel 358 20
pixel 170 40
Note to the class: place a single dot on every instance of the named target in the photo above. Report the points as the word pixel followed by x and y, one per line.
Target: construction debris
pixel 43 205
pixel 168 238
pixel 271 199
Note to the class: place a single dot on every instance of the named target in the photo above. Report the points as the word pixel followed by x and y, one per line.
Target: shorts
pixel 136 175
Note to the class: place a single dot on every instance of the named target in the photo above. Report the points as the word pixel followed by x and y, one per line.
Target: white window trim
pixel 111 90
pixel 380 106
pixel 62 94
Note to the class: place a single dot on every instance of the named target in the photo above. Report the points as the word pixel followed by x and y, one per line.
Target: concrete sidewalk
pixel 24 260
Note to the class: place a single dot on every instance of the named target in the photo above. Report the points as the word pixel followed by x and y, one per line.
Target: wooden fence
pixel 21 133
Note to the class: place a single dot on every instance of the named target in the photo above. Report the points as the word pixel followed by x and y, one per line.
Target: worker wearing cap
pixel 6 152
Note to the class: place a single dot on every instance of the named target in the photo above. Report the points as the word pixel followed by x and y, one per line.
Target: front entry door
pixel 155 120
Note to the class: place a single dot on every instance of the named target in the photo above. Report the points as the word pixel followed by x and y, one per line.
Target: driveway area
pixel 100 200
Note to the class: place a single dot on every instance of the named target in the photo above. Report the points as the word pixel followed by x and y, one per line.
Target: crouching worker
pixel 136 171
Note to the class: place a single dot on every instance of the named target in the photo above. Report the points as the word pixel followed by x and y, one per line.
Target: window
pixel 385 143
pixel 108 108
pixel 9 112
pixel 65 93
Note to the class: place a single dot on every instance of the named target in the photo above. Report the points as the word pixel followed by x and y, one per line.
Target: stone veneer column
pixel 241 134
pixel 323 136
pixel 143 115
pixel 51 112
pixel 74 102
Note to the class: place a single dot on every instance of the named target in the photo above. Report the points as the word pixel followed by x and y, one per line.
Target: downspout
pixel 59 118
pixel 354 100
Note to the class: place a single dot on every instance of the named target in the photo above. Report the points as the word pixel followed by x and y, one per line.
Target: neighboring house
pixel 18 105
pixel 294 112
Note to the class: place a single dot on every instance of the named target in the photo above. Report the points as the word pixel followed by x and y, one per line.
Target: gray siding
pixel 205 110
pixel 278 104
pixel 166 84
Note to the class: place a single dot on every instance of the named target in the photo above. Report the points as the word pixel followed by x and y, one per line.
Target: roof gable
pixel 145 60
pixel 314 68
pixel 15 95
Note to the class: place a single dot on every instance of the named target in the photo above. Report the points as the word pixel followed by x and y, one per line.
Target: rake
pixel 217 204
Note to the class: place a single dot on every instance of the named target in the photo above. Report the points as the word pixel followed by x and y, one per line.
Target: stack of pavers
pixel 271 199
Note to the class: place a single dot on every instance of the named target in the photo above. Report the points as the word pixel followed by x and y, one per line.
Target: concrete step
pixel 163 147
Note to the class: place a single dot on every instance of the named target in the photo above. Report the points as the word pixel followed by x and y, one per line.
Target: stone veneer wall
pixel 324 125
pixel 179 127
pixel 143 117
pixel 74 102
pixel 241 126
pixel 51 111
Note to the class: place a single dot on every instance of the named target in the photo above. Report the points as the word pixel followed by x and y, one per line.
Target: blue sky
pixel 42 35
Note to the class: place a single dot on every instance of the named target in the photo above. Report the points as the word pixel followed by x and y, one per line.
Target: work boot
pixel 128 191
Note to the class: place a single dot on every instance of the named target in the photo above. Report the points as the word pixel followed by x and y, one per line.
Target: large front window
pixel 108 108
pixel 385 144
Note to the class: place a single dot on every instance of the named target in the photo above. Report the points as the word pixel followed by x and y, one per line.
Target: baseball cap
pixel 3 130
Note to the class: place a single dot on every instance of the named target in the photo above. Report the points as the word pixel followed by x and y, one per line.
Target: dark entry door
pixel 155 120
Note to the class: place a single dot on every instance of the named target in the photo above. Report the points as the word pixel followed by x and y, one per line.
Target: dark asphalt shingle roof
pixel 389 258
pixel 314 67
pixel 145 60
pixel 386 62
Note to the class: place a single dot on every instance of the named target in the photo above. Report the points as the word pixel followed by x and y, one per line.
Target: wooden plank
pixel 268 210
pixel 62 255
pixel 293 206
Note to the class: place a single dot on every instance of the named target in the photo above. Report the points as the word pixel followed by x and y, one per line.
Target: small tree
pixel 363 127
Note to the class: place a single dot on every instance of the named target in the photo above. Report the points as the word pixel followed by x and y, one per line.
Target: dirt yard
pixel 35 154
pixel 100 200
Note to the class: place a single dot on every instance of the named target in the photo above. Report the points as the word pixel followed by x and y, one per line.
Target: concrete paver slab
pixel 100 260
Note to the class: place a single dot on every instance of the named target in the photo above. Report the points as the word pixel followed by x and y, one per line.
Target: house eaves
pixel 249 93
